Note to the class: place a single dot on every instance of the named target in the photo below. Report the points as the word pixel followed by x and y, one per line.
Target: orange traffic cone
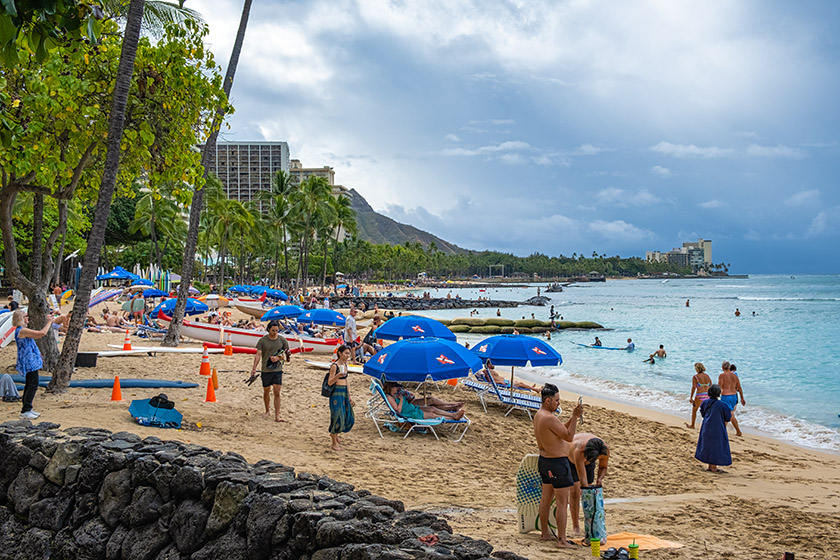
pixel 127 341
pixel 215 379
pixel 205 363
pixel 228 346
pixel 211 394
pixel 116 393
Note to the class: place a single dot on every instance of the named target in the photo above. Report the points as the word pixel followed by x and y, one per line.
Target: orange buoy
pixel 215 379
pixel 211 393
pixel 127 341
pixel 228 346
pixel 116 392
pixel 205 363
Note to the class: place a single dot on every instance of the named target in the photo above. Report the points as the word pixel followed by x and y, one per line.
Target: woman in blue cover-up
pixel 713 443
pixel 28 359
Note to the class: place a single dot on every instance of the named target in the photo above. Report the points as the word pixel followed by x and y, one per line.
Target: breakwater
pixel 498 325
pixel 87 493
pixel 418 304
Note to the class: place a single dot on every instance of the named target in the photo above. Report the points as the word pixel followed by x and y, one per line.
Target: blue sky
pixel 561 126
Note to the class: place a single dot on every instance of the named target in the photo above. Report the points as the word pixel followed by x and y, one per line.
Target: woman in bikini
pixel 341 405
pixel 700 384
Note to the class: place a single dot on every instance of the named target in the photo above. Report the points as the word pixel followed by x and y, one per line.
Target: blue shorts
pixel 729 400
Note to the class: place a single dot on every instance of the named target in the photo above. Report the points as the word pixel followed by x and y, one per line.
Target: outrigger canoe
pixel 248 338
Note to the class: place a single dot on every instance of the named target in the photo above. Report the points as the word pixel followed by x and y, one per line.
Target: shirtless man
pixel 730 388
pixel 62 322
pixel 586 451
pixel 557 473
pixel 497 377
pixel 113 323
pixel 661 353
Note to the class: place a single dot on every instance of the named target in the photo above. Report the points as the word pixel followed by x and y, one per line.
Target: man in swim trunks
pixel 730 388
pixel 557 473
pixel 661 353
pixel 271 350
pixel 586 452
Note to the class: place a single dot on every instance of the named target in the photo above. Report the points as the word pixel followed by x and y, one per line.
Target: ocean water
pixel 788 353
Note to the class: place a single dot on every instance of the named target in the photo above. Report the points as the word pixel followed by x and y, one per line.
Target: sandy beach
pixel 774 498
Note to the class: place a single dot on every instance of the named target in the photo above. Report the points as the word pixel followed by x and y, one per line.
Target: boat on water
pixel 554 288
pixel 248 338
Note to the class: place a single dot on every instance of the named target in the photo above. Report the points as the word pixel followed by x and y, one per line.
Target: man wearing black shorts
pixel 556 471
pixel 271 350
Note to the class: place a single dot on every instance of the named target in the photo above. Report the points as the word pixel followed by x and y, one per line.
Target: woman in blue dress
pixel 342 417
pixel 713 443
pixel 28 359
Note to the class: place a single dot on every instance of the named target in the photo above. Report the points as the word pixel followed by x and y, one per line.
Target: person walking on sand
pixel 341 405
pixel 730 386
pixel 271 349
pixel 29 359
pixel 700 384
pixel 713 443
pixel 557 473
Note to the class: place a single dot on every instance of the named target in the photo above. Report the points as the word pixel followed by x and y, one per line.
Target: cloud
pixel 625 198
pixel 818 224
pixel 714 203
pixel 619 230
pixel 661 171
pixel 484 150
pixel 752 235
pixel 750 134
pixel 494 122
pixel 690 150
pixel 587 150
pixel 452 137
pixel 803 198
pixel 779 151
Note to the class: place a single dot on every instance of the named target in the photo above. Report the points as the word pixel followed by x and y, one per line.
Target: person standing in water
pixel 29 359
pixel 730 386
pixel 700 384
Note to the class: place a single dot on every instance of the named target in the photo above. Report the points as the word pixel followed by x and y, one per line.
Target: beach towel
pixel 594 521
pixel 8 388
pixel 645 542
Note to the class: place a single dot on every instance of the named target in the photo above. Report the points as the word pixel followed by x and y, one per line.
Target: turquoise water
pixel 788 354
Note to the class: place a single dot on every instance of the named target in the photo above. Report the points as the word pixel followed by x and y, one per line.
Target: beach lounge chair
pixel 487 389
pixel 381 412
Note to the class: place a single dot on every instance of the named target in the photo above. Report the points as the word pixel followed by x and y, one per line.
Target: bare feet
pixel 545 537
pixel 566 544
pixel 278 419
pixel 459 415
pixel 715 470
pixel 690 426
pixel 739 433
pixel 577 533
pixel 267 413
pixel 336 447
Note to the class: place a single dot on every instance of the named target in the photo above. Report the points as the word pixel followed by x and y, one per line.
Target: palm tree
pixel 157 14
pixel 230 217
pixel 173 334
pixel 64 369
pixel 312 194
pixel 344 219
pixel 278 203
pixel 158 215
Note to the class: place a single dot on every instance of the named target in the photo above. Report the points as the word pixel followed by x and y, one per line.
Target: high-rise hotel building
pixel 246 168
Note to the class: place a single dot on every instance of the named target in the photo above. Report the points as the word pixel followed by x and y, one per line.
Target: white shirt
pixel 350 329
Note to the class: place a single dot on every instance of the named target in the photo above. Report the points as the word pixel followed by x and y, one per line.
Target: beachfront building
pixel 298 173
pixel 245 168
pixel 697 255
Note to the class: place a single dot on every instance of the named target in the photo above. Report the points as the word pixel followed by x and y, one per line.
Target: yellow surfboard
pixel 66 296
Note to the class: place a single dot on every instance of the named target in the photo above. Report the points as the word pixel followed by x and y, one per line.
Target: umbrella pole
pixel 511 380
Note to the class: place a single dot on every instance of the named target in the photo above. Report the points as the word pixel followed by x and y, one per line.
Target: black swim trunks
pixel 590 471
pixel 270 378
pixel 557 471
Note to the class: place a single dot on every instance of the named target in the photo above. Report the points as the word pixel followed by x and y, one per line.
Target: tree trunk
pixel 96 238
pixel 173 333
pixel 276 265
pixel 59 259
pixel 285 255
pixel 324 269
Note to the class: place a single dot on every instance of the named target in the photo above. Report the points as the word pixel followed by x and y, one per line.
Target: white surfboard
pixel 528 494
pixel 7 330
pixel 165 350
pixel 352 368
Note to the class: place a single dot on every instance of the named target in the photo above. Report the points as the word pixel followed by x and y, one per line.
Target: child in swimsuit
pixel 700 384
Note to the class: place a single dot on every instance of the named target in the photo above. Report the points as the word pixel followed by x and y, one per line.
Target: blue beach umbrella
pixel 413 327
pixel 153 293
pixel 323 317
pixel 194 307
pixel 275 294
pixel 517 350
pixel 240 288
pixel 282 312
pixel 419 359
pixel 146 413
pixel 341 286
pixel 142 282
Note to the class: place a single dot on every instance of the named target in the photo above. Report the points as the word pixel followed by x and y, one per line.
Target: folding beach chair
pixel 488 390
pixel 381 412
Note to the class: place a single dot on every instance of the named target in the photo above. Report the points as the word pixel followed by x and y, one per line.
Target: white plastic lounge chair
pixel 381 412
pixel 488 390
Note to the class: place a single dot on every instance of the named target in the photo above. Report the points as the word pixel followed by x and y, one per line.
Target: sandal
pixel 610 554
pixel 623 554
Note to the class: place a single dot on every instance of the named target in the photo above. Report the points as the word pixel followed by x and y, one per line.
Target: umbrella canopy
pixel 153 292
pixel 241 288
pixel 142 282
pixel 282 312
pixel 194 307
pixel 275 294
pixel 413 327
pixel 194 290
pixel 119 273
pixel 149 415
pixel 517 350
pixel 323 317
pixel 419 359
pixel 341 286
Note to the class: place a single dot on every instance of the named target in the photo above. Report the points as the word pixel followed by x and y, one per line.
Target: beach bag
pixel 326 388
pixel 594 522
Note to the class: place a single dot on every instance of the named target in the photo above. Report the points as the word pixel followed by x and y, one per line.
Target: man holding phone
pixel 271 350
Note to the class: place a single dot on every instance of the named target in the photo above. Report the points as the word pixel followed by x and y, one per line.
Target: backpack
pixel 326 388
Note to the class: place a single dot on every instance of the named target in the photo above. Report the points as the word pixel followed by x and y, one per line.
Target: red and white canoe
pixel 251 307
pixel 249 338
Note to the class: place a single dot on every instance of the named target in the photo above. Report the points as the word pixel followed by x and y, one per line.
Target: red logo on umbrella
pixel 538 351
pixel 416 328
pixel 381 358
pixel 482 348
pixel 444 360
